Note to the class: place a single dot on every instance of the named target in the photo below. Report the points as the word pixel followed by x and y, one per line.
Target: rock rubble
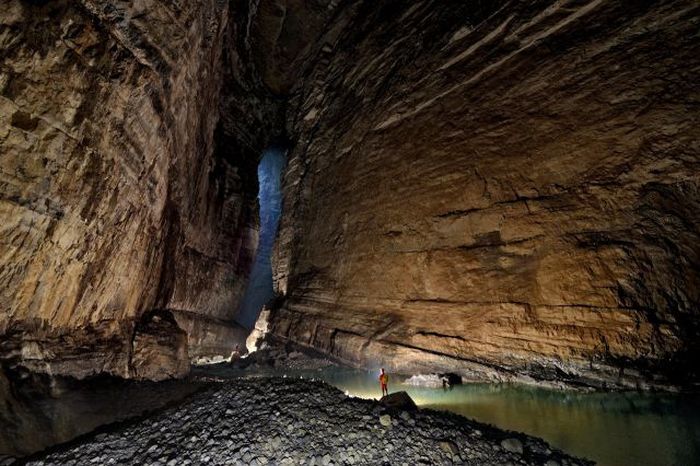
pixel 275 421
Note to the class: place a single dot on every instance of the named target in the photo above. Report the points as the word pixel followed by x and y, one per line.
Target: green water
pixel 613 429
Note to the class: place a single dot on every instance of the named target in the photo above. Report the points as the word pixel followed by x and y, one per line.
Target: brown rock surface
pixel 116 195
pixel 159 348
pixel 501 190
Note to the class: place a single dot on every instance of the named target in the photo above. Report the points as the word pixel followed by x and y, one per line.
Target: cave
pixel 502 193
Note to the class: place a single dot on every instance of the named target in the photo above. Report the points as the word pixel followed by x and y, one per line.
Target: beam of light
pixel 260 290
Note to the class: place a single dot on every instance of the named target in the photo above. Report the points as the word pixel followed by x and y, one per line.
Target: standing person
pixel 384 382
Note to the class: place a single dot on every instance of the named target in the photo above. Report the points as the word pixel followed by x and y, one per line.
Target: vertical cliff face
pixel 130 135
pixel 503 190
pixel 506 190
pixel 118 195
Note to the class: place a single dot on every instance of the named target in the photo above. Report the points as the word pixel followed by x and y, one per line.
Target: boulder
pixel 399 400
pixel 512 445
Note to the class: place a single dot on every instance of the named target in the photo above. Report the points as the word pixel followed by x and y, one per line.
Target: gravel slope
pixel 291 421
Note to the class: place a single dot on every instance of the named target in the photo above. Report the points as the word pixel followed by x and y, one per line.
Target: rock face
pixel 497 189
pixel 502 190
pixel 260 330
pixel 159 348
pixel 118 194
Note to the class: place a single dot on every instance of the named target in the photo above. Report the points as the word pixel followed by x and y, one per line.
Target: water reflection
pixel 611 428
pixel 614 429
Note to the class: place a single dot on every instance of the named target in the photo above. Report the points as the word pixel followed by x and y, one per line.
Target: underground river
pixel 611 428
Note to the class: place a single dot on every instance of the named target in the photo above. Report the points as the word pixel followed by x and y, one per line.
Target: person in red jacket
pixel 384 382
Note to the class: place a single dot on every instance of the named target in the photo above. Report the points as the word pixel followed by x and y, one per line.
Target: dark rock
pixel 512 445
pixel 399 401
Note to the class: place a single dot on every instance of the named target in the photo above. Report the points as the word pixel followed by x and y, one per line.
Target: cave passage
pixel 259 290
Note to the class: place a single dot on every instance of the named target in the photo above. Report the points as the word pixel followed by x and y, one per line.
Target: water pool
pixel 614 429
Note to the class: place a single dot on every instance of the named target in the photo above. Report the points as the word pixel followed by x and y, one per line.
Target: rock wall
pixel 509 190
pixel 118 194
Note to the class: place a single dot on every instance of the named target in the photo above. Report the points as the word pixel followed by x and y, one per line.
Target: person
pixel 384 382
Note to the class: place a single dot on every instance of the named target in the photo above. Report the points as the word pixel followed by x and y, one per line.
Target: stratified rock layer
pixel 159 348
pixel 498 189
pixel 117 194
pixel 504 190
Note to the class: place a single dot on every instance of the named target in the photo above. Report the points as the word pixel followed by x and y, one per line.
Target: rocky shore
pixel 255 421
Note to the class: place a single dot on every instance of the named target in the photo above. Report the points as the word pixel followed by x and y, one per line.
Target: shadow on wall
pixel 260 289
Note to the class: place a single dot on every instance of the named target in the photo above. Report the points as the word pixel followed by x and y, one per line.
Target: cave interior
pixel 508 191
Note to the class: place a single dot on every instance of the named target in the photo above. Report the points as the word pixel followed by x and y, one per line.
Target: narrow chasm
pixel 349 232
pixel 260 289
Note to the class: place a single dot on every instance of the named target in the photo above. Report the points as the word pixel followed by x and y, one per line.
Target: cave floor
pixel 292 421
pixel 609 427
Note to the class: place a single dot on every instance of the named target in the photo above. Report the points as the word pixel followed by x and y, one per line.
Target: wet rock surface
pixel 289 421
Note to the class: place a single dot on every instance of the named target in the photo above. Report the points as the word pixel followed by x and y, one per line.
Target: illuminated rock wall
pixel 117 193
pixel 507 191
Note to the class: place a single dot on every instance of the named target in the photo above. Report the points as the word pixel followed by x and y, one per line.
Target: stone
pixel 159 348
pixel 512 445
pixel 475 219
pixel 259 332
pixel 114 205
pixel 449 447
pixel 385 420
pixel 399 401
